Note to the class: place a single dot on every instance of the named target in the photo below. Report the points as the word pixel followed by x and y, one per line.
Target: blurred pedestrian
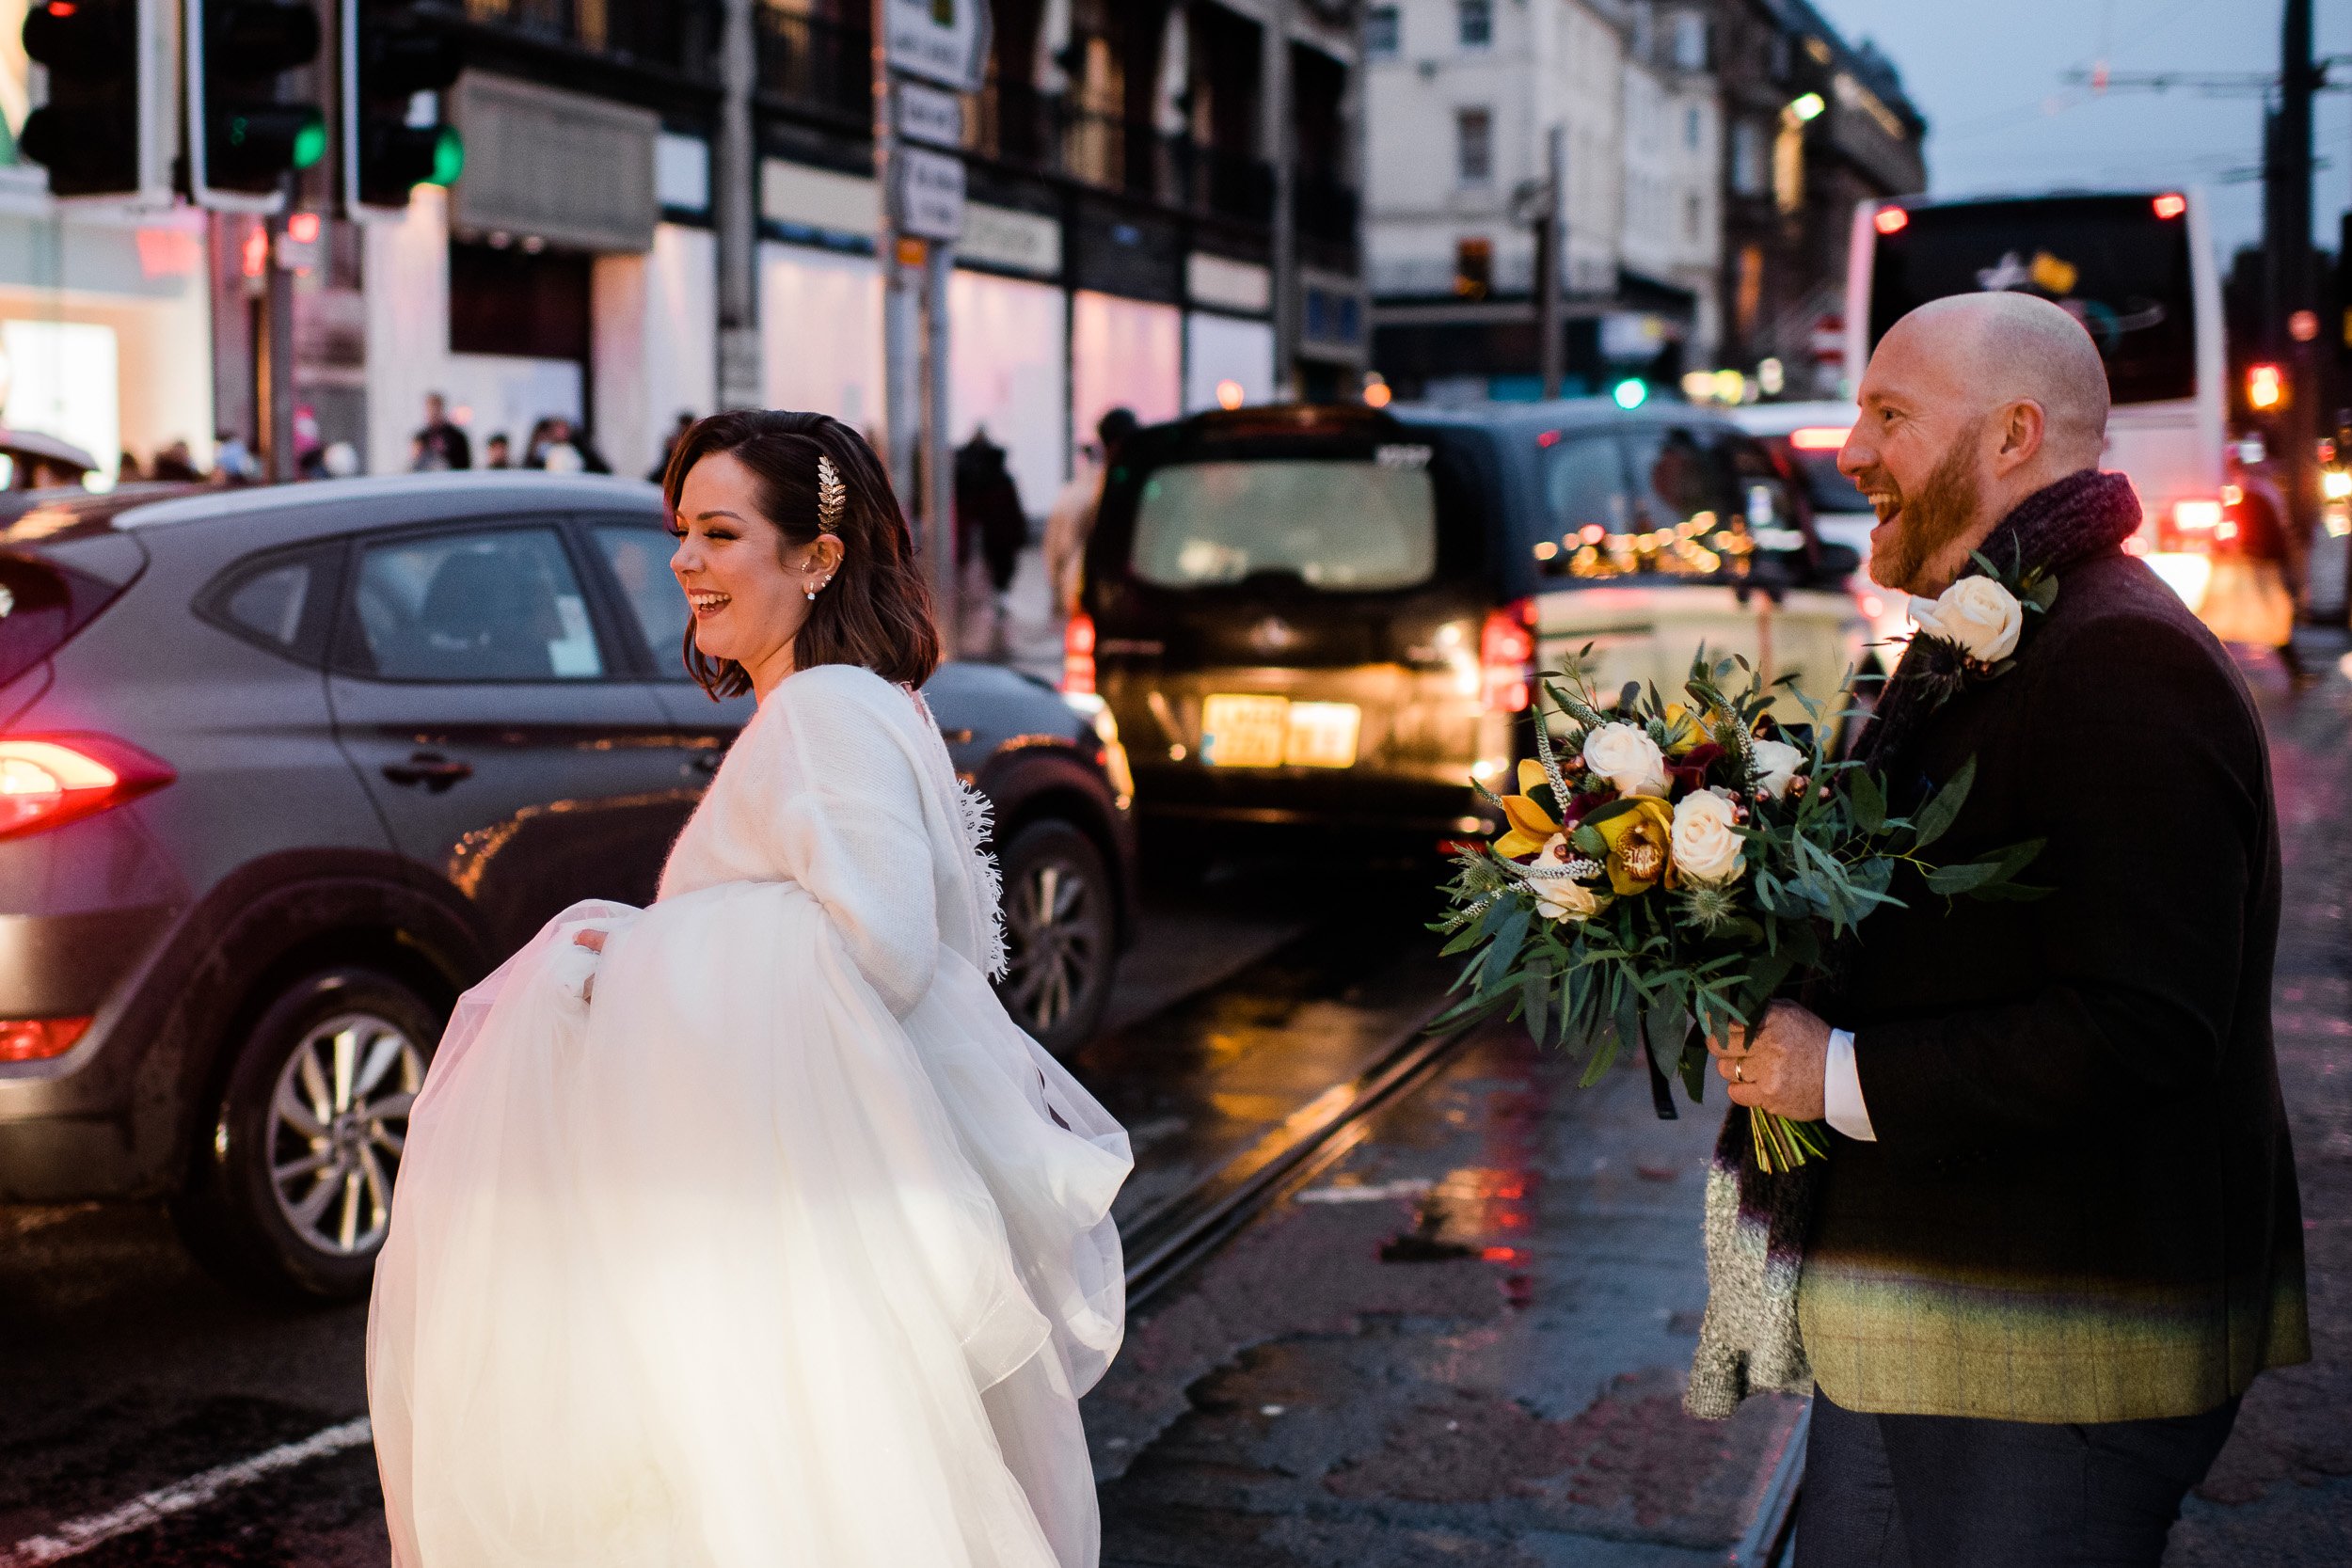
pixel 535 445
pixel 2057 1234
pixel 1070 523
pixel 177 464
pixel 442 444
pixel 341 460
pixel 669 445
pixel 127 469
pixel 234 462
pixel 495 453
pixel 992 529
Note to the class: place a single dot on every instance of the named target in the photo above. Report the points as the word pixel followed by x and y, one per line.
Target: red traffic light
pixel 2171 205
pixel 1890 220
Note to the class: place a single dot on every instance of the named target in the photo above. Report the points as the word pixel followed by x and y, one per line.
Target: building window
pixel 1382 30
pixel 1473 267
pixel 1473 145
pixel 1690 40
pixel 1747 158
pixel 1690 127
pixel 1476 20
pixel 1691 218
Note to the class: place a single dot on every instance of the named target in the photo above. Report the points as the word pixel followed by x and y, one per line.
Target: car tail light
pixel 1506 656
pixel 1077 655
pixel 1890 220
pixel 2171 205
pixel 37 1039
pixel 1819 437
pixel 47 781
pixel 2197 516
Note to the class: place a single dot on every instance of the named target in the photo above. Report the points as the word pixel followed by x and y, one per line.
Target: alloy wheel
pixel 338 1122
pixel 1052 941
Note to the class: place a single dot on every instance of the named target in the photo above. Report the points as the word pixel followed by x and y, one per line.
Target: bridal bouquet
pixel 1672 867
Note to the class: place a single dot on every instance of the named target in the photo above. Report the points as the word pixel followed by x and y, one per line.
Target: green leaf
pixel 1615 808
pixel 1588 842
pixel 1869 801
pixel 1936 816
pixel 1535 1000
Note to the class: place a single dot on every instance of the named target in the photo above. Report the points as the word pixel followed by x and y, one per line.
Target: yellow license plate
pixel 1240 730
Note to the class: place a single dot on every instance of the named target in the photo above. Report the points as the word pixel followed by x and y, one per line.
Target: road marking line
pixel 77 1536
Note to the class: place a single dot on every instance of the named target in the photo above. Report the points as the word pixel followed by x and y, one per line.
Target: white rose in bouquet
pixel 1706 840
pixel 1777 765
pixel 1627 758
pixel 1976 614
pixel 1563 898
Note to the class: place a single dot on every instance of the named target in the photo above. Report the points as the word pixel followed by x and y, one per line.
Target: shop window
pixel 1473 145
pixel 508 299
pixel 1473 266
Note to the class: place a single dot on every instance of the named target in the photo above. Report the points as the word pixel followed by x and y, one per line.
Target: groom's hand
pixel 1779 1065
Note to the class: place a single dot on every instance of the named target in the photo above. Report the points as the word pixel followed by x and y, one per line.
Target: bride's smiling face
pixel 747 586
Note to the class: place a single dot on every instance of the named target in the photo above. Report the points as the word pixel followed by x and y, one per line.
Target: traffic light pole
pixel 273 360
pixel 2292 161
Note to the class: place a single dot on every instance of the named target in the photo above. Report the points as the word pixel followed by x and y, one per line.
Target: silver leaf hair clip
pixel 831 496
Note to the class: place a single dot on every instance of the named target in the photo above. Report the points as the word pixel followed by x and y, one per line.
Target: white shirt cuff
pixel 1841 1090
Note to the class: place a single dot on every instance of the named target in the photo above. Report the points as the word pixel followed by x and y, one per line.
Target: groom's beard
pixel 1942 510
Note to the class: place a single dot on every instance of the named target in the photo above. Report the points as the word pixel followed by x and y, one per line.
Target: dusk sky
pixel 1989 76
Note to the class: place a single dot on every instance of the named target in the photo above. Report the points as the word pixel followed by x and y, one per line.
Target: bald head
pixel 1995 349
pixel 1970 404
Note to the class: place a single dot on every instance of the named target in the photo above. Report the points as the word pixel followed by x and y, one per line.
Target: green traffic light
pixel 309 144
pixel 1631 392
pixel 449 157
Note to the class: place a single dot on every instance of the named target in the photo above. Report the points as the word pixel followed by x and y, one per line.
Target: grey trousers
pixel 1948 1492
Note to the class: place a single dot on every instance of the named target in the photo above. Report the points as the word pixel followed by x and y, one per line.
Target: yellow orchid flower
pixel 1640 845
pixel 1532 826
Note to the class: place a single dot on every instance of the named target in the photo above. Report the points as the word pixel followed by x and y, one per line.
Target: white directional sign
pixel 929 116
pixel 931 194
pixel 940 40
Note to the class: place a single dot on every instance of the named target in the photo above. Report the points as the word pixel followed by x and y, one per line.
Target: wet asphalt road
pixel 1459 1339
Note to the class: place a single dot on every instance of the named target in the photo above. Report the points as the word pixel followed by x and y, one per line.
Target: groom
pixel 2058 1233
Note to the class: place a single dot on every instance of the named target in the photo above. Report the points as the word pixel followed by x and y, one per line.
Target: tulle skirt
pixel 733 1268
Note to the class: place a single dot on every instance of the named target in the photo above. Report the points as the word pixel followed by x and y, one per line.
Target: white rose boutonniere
pixel 1706 839
pixel 1777 765
pixel 1977 615
pixel 1627 758
pixel 1563 898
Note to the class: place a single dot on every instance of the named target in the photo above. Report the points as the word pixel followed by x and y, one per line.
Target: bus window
pixel 2110 260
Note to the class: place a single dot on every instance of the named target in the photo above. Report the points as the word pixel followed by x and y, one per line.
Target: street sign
pixel 929 194
pixel 941 41
pixel 929 116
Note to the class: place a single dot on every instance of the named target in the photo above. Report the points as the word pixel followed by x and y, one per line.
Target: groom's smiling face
pixel 1918 453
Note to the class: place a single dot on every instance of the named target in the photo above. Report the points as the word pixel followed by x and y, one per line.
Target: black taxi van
pixel 1329 617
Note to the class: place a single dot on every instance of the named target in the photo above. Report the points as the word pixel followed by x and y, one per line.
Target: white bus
pixel 2137 269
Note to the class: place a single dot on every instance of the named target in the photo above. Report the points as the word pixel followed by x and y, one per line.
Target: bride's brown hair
pixel 877 610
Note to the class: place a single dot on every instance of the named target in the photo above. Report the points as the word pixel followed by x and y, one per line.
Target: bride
pixel 747 1230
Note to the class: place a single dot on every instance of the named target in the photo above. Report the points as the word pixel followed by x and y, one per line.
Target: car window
pixel 639 557
pixel 1584 483
pixel 1701 503
pixel 1340 525
pixel 41 604
pixel 495 605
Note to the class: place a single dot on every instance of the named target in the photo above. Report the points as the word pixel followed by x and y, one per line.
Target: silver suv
pixel 283 770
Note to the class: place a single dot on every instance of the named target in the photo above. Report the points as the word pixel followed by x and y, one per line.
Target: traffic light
pixel 394 139
pixel 2266 389
pixel 245 137
pixel 104 129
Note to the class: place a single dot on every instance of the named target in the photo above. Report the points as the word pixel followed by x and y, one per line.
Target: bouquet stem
pixel 1783 1145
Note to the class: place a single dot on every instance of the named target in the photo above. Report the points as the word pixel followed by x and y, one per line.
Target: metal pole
pixel 901 421
pixel 1548 259
pixel 1282 148
pixel 2292 170
pixel 938 474
pixel 741 383
pixel 273 360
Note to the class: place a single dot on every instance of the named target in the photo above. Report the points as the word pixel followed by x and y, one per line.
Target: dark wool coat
pixel 2081 1205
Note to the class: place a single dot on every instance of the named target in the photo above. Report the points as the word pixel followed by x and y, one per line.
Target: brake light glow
pixel 37 1039
pixel 2336 484
pixel 47 781
pixel 1819 437
pixel 1077 656
pixel 1506 656
pixel 1890 220
pixel 2195 517
pixel 2171 205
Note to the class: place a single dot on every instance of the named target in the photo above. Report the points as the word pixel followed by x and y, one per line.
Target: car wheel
pixel 294 1185
pixel 1060 934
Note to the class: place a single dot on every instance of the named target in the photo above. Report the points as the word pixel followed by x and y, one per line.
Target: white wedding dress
pixel 788 1246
